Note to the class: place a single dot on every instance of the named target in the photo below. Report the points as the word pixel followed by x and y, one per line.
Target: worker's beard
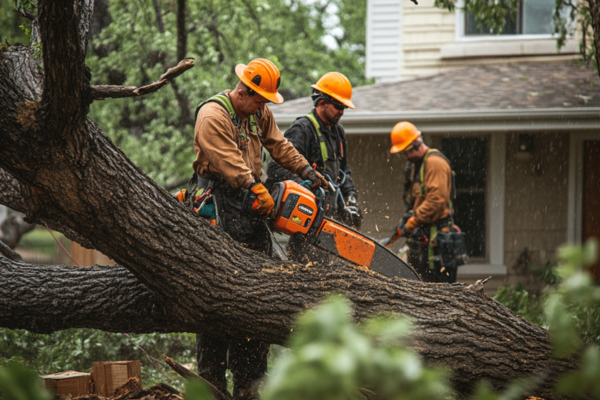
pixel 335 119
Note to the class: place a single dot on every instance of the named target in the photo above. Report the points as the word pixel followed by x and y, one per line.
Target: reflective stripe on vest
pixel 224 101
pixel 422 171
pixel 324 153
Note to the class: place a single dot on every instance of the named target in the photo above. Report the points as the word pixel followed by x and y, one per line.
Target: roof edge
pixel 468 121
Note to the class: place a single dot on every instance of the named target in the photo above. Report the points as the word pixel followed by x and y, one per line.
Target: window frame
pixel 461 36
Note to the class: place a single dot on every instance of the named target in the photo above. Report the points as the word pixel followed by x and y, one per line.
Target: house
pixel 519 121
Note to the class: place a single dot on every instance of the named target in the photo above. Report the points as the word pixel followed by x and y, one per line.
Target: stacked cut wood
pixel 132 390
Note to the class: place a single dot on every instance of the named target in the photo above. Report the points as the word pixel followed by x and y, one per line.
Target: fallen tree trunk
pixel 456 326
pixel 74 179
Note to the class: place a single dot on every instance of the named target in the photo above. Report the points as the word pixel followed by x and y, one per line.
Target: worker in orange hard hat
pixel 428 191
pixel 230 130
pixel 320 138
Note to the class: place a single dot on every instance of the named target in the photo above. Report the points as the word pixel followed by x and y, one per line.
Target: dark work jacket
pixel 303 136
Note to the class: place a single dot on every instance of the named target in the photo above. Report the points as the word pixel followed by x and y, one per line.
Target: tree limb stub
pixel 113 91
pixel 9 253
pixel 187 374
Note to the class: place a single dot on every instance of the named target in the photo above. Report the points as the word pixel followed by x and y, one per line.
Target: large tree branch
pixel 101 92
pixel 44 299
pixel 20 198
pixel 84 10
pixel 10 193
pixel 66 78
pixel 456 326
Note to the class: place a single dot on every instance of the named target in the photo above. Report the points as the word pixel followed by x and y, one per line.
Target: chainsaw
pixel 300 213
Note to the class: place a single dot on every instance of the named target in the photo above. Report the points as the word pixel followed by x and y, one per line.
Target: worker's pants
pixel 418 258
pixel 246 359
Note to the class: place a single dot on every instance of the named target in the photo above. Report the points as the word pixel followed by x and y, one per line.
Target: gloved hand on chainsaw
pixel 407 225
pixel 317 180
pixel 264 203
pixel 353 210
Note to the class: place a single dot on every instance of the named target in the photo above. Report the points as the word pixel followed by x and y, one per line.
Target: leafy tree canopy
pixel 156 131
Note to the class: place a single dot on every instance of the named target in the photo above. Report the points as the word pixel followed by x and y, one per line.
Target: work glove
pixel 405 218
pixel 408 227
pixel 354 211
pixel 316 179
pixel 264 203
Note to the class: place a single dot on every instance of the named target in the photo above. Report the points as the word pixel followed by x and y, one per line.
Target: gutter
pixel 468 121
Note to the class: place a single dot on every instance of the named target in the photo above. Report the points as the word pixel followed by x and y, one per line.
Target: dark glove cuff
pixel 305 171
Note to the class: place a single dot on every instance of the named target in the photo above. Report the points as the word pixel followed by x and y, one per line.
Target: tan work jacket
pixel 220 152
pixel 433 204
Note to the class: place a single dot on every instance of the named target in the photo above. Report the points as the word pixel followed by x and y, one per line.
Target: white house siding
pixel 536 201
pixel 383 39
pixel 405 40
pixel 425 29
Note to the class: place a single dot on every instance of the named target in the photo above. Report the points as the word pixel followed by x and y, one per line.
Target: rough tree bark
pixel 176 272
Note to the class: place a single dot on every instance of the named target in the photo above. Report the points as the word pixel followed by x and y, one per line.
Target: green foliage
pixel 522 303
pixel 77 349
pixel 132 51
pixel 195 390
pixel 332 359
pixel 573 315
pixel 492 14
pixel 573 310
pixel 14 28
pixel 18 383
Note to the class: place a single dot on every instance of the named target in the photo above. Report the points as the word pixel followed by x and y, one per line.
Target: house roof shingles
pixel 500 87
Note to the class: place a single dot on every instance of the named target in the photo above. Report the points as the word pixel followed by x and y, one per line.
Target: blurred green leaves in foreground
pixel 329 357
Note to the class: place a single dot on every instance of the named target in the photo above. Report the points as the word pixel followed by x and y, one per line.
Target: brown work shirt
pixel 220 151
pixel 433 204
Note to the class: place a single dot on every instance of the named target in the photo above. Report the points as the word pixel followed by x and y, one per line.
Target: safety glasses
pixel 337 105
pixel 408 149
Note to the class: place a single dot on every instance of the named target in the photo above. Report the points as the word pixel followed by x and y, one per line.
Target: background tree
pixel 151 36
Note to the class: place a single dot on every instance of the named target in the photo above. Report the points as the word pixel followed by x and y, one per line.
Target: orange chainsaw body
pixel 298 211
pixel 296 208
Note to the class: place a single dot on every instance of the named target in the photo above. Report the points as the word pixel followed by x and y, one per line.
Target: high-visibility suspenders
pixel 324 153
pixel 224 101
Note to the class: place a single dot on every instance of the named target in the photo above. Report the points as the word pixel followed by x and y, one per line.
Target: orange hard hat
pixel 337 86
pixel 263 77
pixel 403 134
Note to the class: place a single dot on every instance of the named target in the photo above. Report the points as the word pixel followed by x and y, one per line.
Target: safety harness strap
pixel 324 153
pixel 224 101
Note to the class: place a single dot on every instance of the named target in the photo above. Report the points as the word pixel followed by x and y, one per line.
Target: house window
pixel 533 17
pixel 468 156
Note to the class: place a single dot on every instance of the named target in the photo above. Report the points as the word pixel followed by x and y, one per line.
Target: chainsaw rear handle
pixel 388 241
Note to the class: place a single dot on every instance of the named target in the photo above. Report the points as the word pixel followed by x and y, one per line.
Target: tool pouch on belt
pixel 452 248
